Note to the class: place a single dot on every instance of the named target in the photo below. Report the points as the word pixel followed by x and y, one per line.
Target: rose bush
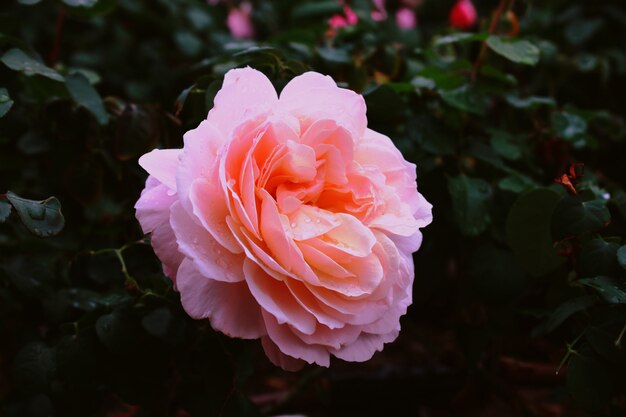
pixel 287 219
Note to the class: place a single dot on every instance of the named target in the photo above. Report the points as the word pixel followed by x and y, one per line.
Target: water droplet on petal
pixel 293 224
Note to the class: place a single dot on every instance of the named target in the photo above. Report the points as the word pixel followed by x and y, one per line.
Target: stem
pixel 504 6
pixel 570 351
pixel 56 47
pixel 618 342
pixel 130 281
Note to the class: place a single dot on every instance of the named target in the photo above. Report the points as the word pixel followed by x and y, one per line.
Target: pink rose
pixel 463 15
pixel 239 21
pixel 287 219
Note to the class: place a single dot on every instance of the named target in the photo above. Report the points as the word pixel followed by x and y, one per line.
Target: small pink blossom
pixel 405 18
pixel 239 21
pixel 351 17
pixel 338 21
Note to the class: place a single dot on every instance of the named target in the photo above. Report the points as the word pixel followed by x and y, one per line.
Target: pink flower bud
pixel 463 15
pixel 405 18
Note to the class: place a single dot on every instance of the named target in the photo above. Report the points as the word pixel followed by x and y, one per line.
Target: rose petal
pixel 276 299
pixel 365 346
pixel 278 358
pixel 313 96
pixel 245 93
pixel 162 164
pixel 291 345
pixel 153 207
pixel 229 306
pixel 308 222
pixel 152 212
pixel 208 204
pixel 196 243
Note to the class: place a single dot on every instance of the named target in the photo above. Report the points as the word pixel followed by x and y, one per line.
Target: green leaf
pixel 568 309
pixel 188 43
pixel 573 217
pixel 86 96
pixel 581 30
pixel 18 60
pixel 87 300
pixel 35 367
pixel 466 98
pixel 423 83
pixel 471 198
pixel 5 211
pixel 589 382
pixel 43 218
pixel 5 102
pixel 118 331
pixel 602 336
pixel 609 288
pixel 505 144
pixel 568 125
pixel 521 52
pixel 432 135
pixel 31 275
pixel 157 322
pixel 531 102
pixel 460 37
pixel 621 256
pixel 161 323
pixel 528 231
pixel 516 183
pixel 335 55
pixel 598 257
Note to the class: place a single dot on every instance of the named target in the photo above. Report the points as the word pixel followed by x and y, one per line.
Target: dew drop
pixel 293 224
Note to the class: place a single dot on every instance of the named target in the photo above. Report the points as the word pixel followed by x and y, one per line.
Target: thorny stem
pixel 503 7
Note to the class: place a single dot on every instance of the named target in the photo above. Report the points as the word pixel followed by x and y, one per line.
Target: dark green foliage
pixel 528 231
pixel 516 273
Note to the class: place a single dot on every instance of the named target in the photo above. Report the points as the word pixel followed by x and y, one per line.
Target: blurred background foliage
pixel 516 127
